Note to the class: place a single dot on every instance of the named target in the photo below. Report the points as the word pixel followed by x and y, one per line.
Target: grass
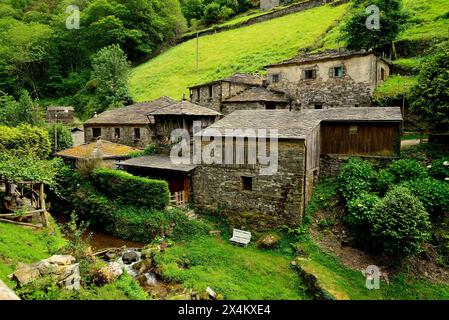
pixel 430 20
pixel 410 63
pixel 246 49
pixel 234 272
pixel 19 244
pixel 396 85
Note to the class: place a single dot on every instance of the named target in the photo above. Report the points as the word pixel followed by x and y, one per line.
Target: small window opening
pixel 247 183
pixel 353 130
pixel 338 72
pixel 310 74
pixel 210 91
pixel 96 132
pixel 318 106
pixel 275 78
pixel 137 133
pixel 117 133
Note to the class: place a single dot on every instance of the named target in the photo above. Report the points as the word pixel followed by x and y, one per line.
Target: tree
pixel 23 111
pixel 430 97
pixel 392 18
pixel 110 71
pixel 64 136
pixel 400 223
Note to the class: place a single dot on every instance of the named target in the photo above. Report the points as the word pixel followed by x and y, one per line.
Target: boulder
pixel 60 260
pixel 6 293
pixel 108 273
pixel 130 257
pixel 269 241
pixel 25 274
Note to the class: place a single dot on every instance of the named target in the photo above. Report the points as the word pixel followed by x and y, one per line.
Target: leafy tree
pixel 64 136
pixel 392 19
pixel 212 13
pixel 430 97
pixel 14 113
pixel 110 71
pixel 400 224
pixel 24 140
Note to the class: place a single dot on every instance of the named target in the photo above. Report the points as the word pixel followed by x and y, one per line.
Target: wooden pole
pixel 42 205
pixel 19 223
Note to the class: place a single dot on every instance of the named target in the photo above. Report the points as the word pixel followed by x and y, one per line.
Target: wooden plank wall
pixel 369 139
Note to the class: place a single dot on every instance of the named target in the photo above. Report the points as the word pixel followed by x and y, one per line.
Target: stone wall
pixel 330 164
pixel 266 5
pixel 274 200
pixel 229 107
pixel 127 136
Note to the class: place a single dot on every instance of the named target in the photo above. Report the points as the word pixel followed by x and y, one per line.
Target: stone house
pixel 212 94
pixel 266 5
pixel 256 98
pixel 304 139
pixel 130 125
pixel 62 114
pixel 180 115
pixel 330 78
pixel 108 151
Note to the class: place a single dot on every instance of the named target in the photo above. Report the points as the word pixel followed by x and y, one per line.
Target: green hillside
pixel 246 49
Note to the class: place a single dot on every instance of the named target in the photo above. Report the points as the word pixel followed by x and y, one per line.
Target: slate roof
pixel 236 78
pixel 133 114
pixel 60 108
pixel 324 55
pixel 184 108
pixel 160 162
pixel 103 149
pixel 299 124
pixel 258 94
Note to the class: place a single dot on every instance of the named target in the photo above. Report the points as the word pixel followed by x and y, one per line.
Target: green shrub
pixel 400 223
pixel 440 169
pixel 64 136
pixel 406 170
pixel 432 193
pixel 385 180
pixel 359 217
pixel 139 224
pixel 355 177
pixel 24 140
pixel 128 189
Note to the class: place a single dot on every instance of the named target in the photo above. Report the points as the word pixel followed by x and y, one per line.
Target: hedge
pixel 128 189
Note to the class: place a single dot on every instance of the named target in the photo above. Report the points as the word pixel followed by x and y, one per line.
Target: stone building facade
pixel 255 98
pixel 247 198
pixel 130 125
pixel 212 94
pixel 330 78
pixel 65 115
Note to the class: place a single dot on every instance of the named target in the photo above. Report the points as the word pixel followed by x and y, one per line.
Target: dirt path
pixel 409 143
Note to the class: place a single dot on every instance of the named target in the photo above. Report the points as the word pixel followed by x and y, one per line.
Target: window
pixel 198 94
pixel 318 106
pixel 210 92
pixel 382 74
pixel 337 72
pixel 275 78
pixel 310 74
pixel 96 132
pixel 353 130
pixel 270 106
pixel 117 133
pixel 136 133
pixel 247 183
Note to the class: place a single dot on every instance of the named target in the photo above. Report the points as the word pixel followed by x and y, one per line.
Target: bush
pixel 24 140
pixel 65 140
pixel 139 224
pixel 359 217
pixel 128 189
pixel 440 169
pixel 406 170
pixel 385 179
pixel 432 193
pixel 355 178
pixel 400 223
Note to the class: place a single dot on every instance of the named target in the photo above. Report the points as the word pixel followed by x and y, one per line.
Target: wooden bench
pixel 241 237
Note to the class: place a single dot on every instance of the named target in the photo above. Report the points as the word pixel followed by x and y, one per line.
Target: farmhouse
pixel 129 125
pixel 330 78
pixel 256 98
pixel 212 94
pixel 305 139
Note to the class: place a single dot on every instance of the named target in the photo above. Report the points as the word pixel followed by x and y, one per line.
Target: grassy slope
pixel 425 23
pixel 19 244
pixel 246 49
pixel 234 272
